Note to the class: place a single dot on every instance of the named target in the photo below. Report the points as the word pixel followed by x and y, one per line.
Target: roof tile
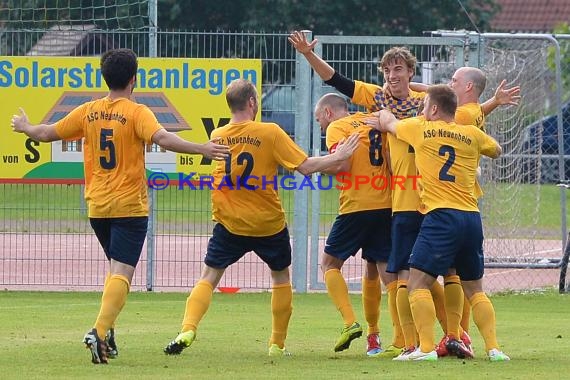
pixel 531 15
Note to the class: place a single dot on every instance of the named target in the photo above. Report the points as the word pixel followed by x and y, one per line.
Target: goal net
pixel 520 208
pixel 73 14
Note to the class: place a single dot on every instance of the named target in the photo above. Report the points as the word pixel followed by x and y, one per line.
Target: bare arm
pixel 174 143
pixel 341 167
pixel 503 96
pixel 343 152
pixel 300 43
pixel 383 121
pixel 41 132
pixel 418 87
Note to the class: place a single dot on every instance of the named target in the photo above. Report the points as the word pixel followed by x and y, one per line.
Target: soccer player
pixel 451 235
pixel 397 65
pixel 248 211
pixel 468 84
pixel 364 218
pixel 115 131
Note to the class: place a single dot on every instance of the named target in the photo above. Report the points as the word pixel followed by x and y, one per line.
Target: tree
pixel 348 17
pixel 562 28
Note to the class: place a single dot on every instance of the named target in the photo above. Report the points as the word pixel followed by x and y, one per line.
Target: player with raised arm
pixel 115 179
pixel 364 219
pixel 248 211
pixel 397 66
pixel 451 234
pixel 468 84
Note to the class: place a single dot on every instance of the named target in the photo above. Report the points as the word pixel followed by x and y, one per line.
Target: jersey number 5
pixel 444 171
pixel 244 158
pixel 108 159
pixel 375 152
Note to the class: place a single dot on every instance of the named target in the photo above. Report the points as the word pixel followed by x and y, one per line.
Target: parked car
pixel 278 106
pixel 541 137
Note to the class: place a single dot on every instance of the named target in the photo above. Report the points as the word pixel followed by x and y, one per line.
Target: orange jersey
pixel 367 163
pixel 256 151
pixel 115 133
pixel 447 156
pixel 405 197
pixel 470 114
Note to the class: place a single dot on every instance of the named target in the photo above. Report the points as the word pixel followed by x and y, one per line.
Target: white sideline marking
pixel 535 253
pixel 549 250
pixel 71 305
pixel 503 272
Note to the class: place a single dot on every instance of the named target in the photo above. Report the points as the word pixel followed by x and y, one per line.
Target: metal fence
pixel 46 242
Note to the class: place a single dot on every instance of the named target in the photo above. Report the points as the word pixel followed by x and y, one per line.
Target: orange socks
pixel 114 297
pixel 371 296
pixel 197 305
pixel 398 336
pixel 423 311
pixel 484 318
pixel 281 309
pixel 453 304
pixel 439 303
pixel 338 292
pixel 405 315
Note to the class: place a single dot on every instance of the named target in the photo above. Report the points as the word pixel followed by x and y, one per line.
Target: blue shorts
pixel 122 239
pixel 369 230
pixel 450 238
pixel 405 229
pixel 225 248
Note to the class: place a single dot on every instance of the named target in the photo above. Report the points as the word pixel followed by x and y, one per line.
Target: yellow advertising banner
pixel 186 94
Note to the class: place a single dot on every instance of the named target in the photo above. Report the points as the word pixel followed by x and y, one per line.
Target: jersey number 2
pixel 444 171
pixel 108 159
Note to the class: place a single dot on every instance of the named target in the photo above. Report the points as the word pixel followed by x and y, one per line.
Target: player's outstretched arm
pixel 489 146
pixel 41 132
pixel 299 41
pixel 343 151
pixel 175 143
pixel 503 96
pixel 497 152
pixel 418 87
pixel 337 167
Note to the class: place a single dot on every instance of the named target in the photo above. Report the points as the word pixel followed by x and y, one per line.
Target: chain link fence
pixel 46 241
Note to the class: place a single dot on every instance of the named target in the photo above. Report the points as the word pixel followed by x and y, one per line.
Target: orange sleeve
pixel 335 134
pixel 71 126
pixel 146 124
pixel 285 151
pixel 407 130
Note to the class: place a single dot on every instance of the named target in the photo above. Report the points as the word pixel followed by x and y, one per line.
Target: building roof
pixel 67 40
pixel 540 16
pixel 163 109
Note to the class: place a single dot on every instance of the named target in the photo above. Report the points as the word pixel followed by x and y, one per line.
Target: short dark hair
pixel 444 97
pixel 118 66
pixel 238 94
